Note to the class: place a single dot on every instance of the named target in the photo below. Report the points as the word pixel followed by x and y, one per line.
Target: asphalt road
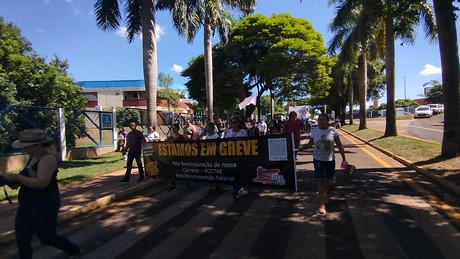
pixel 430 129
pixel 384 210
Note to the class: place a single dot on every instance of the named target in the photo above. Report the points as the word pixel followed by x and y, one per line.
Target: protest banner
pixel 266 161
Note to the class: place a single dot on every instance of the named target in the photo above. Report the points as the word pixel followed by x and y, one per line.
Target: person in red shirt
pixel 293 125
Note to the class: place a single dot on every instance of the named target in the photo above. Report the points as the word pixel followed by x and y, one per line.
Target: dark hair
pixel 324 115
pixel 241 124
pixel 176 125
pixel 211 124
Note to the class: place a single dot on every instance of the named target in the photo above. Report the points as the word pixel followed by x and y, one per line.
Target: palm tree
pixel 190 15
pixel 353 34
pixel 398 19
pixel 140 18
pixel 448 46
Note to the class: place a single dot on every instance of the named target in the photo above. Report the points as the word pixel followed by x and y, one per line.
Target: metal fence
pixel 86 128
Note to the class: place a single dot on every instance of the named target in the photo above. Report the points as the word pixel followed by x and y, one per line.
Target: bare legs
pixel 324 188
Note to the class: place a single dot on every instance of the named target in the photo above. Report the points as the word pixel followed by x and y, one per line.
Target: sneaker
pixel 236 197
pixel 124 181
pixel 172 189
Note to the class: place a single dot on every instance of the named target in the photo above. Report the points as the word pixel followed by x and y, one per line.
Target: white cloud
pixel 429 69
pixel 122 31
pixel 160 31
pixel 177 68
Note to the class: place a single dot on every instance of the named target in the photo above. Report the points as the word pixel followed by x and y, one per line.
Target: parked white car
pixel 423 112
pixel 441 106
pixel 435 108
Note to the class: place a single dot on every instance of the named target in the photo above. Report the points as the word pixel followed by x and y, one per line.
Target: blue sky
pixel 67 28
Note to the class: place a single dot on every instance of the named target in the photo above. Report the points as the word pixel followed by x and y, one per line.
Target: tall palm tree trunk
pixel 390 128
pixel 208 70
pixel 350 96
pixel 149 58
pixel 362 85
pixel 448 46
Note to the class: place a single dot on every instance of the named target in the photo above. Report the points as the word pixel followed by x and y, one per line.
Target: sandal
pixel 322 210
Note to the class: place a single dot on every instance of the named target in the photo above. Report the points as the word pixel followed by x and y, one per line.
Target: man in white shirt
pixel 262 128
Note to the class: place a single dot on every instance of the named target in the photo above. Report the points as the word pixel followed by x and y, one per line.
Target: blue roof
pixel 112 84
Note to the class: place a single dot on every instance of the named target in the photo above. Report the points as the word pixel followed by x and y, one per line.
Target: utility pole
pixel 405 98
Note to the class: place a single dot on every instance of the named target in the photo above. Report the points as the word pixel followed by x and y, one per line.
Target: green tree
pixel 281 54
pixel 172 96
pixel 388 20
pixel 399 103
pixel 165 81
pixel 27 79
pixel 189 16
pixel 435 94
pixel 265 104
pixel 140 19
pixel 353 35
pixel 127 115
pixel 8 90
pixel 227 82
pixel 448 46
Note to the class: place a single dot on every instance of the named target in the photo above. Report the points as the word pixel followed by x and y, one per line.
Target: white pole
pixel 114 128
pixel 62 139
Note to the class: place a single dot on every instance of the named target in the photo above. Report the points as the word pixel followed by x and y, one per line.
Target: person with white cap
pixel 38 196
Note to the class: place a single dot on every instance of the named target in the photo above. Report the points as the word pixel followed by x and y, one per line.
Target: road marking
pixel 408 136
pixel 425 128
pixel 431 199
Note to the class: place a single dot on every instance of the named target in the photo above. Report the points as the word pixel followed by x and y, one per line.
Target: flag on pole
pixel 247 101
pixel 304 112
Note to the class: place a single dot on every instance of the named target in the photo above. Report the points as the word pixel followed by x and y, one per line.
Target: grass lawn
pixel 421 153
pixel 76 170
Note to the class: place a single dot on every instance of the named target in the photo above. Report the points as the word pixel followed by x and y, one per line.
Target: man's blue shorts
pixel 324 169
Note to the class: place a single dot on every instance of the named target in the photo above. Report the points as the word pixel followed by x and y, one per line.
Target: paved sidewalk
pixel 78 198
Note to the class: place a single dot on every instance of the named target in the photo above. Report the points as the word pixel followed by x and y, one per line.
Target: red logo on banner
pixel 269 176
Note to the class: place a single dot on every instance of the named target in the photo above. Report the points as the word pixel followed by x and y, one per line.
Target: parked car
pixel 435 108
pixel 441 106
pixel 423 112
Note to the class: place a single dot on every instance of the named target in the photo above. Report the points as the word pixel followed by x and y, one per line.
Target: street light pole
pixel 405 98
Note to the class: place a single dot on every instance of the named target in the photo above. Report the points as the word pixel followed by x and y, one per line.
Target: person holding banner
pixel 236 130
pixel 323 138
pixel 176 136
pixel 153 135
pixel 210 133
pixel 293 125
pixel 191 131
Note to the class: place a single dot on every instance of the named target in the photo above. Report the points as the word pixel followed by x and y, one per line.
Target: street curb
pixel 425 172
pixel 9 236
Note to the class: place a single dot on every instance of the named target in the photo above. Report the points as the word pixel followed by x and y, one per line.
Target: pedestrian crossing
pixel 370 215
